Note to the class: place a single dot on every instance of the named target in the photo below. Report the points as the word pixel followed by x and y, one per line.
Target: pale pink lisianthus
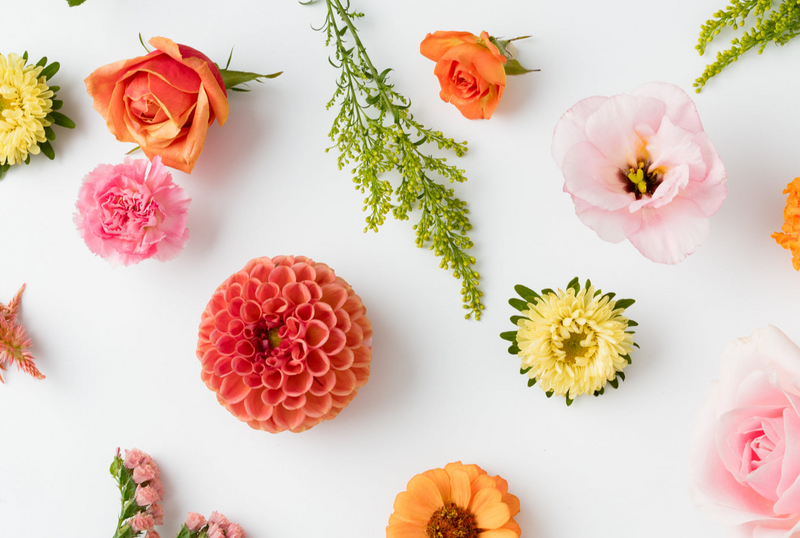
pixel 745 463
pixel 641 167
pixel 195 521
pixel 127 214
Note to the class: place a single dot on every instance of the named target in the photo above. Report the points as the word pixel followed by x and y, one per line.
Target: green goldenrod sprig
pixel 376 133
pixel 780 25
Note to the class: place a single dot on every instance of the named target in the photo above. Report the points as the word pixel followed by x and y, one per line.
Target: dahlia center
pixel 640 182
pixel 573 348
pixel 451 521
pixel 273 338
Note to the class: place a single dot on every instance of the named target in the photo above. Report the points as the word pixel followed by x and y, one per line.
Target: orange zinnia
pixel 790 238
pixel 459 501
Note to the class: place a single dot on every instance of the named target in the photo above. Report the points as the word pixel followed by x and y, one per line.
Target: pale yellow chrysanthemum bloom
pixel 573 343
pixel 25 101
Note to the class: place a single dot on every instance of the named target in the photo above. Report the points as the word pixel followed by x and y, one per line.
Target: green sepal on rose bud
pixel 233 79
pixel 512 66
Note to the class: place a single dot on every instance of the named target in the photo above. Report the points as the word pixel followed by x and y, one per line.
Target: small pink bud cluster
pixel 149 492
pixel 217 526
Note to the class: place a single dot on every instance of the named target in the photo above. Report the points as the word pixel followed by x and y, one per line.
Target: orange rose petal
pixel 485 498
pixel 410 508
pixel 426 492
pixel 459 488
pixel 405 530
pixel 442 481
pixel 101 83
pixel 498 533
pixel 435 45
pixel 216 95
pixel 492 516
pixel 176 104
pixel 485 64
pixel 486 39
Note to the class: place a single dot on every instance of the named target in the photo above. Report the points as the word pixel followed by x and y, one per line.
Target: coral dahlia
pixel 285 344
pixel 459 501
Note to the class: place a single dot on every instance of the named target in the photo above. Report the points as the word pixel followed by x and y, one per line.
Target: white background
pixel 118 345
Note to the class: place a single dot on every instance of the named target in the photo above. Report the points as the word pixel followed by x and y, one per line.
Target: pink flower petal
pixel 571 128
pixel 670 233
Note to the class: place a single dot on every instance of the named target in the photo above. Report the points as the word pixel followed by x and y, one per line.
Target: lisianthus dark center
pixel 640 181
pixel 451 521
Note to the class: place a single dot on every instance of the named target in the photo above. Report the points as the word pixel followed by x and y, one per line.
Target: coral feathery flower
pixel 285 344
pixel 790 238
pixel 14 343
pixel 459 501
pixel 571 342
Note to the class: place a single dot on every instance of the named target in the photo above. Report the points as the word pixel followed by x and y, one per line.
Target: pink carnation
pixel 142 522
pixel 215 531
pixel 157 511
pixel 195 521
pixel 218 519
pixel 147 470
pixel 134 457
pixel 234 531
pixel 127 215
pixel 145 496
pixel 640 167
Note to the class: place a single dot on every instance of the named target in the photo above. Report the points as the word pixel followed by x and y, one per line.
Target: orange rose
pixel 165 101
pixel 470 71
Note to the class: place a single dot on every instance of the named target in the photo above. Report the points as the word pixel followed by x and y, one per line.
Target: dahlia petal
pixel 305 312
pixel 287 419
pixel 233 291
pixel 315 290
pixel 210 358
pixel 498 533
pixel 334 295
pixel 354 307
pixel 223 367
pixel 233 390
pixel 492 516
pixel 281 276
pixel 362 375
pixel 291 368
pixel 299 384
pixel 335 343
pixel 250 289
pixel 225 344
pixel 260 271
pixel 571 128
pixel 342 320
pixel 294 402
pixel 297 292
pixel 317 334
pixel 256 407
pixel 366 327
pixel 251 311
pixel 403 529
pixel 425 491
pixel 317 406
pixel 245 349
pixel 459 488
pixel 325 274
pixel 273 397
pixel 342 360
pixel 266 291
pixel 670 233
pixel 612 127
pixel 242 366
pixel 323 384
pixel 221 320
pixel 345 382
pixel 356 336
pixel 590 176
pixel 303 271
pixel 484 498
pixel 363 356
pixel 680 108
pixel 324 313
pixel 409 507
pixel 317 363
pixel 237 409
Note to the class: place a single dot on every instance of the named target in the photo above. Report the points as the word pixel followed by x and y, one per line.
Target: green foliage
pixel 233 79
pixel 376 132
pixel 73 3
pixel 778 25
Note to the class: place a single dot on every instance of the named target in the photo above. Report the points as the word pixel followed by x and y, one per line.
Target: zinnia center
pixel 640 182
pixel 452 521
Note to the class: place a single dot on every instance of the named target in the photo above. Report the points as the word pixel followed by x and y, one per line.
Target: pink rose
pixel 640 167
pixel 745 466
pixel 142 522
pixel 195 521
pixel 145 496
pixel 127 214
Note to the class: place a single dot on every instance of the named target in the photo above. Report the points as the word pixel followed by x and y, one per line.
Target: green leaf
pixel 518 304
pixel 636 345
pixel 74 3
pixel 549 393
pixel 614 383
pixel 54 89
pixel 527 293
pixel 588 284
pixel 47 149
pixel 515 319
pixel 185 532
pixel 235 78
pixel 42 62
pixel 129 509
pixel 531 381
pixel 524 371
pixel 511 336
pixel 513 349
pixel 610 296
pixel 3 169
pixel 548 291
pixel 575 285
pixel 57 104
pixel 628 359
pixel 61 120
pixel 632 323
pixel 569 402
pixel 50 71
pixel 49 133
pixel 513 68
pixel 624 303
pixel 621 375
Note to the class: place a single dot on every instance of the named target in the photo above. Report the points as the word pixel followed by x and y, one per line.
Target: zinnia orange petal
pixel 483 499
pixel 426 492
pixel 492 516
pixel 408 507
pixel 442 481
pixel 460 491
pixel 498 533
pixel 405 530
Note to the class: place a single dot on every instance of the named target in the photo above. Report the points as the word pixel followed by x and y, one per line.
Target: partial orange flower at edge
pixel 790 238
pixel 14 343
pixel 459 500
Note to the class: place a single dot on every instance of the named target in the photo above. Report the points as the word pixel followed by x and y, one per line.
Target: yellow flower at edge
pixel 573 343
pixel 790 238
pixel 25 102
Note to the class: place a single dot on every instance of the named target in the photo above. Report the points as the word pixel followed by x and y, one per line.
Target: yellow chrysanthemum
pixel 573 343
pixel 25 101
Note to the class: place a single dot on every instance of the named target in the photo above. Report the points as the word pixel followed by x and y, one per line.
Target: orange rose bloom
pixel 165 101
pixel 459 501
pixel 470 71
pixel 790 238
